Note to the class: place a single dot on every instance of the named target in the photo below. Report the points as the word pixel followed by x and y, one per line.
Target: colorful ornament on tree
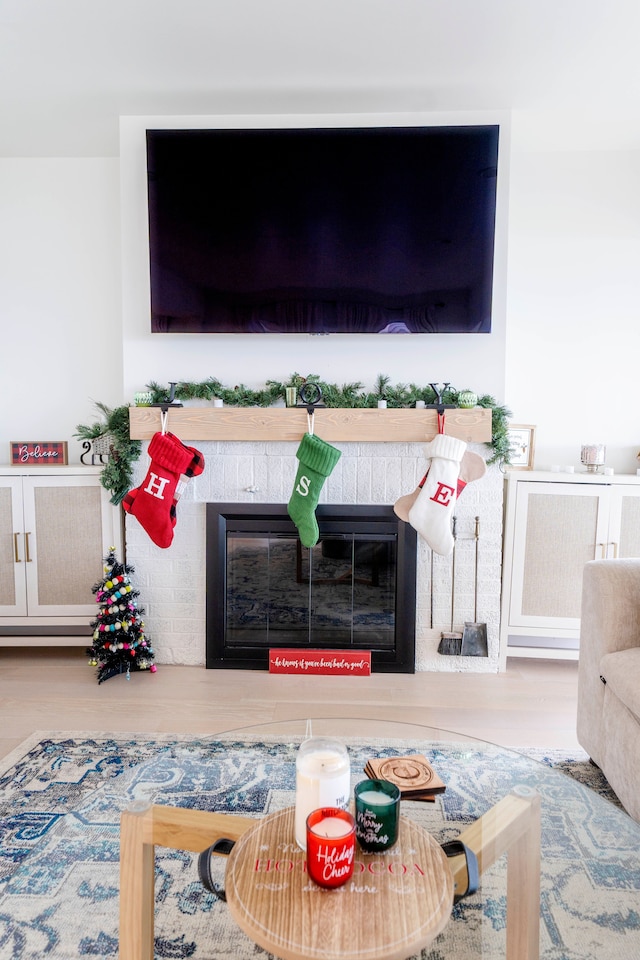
pixel 116 639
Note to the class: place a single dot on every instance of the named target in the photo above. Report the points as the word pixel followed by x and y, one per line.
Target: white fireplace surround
pixel 172 581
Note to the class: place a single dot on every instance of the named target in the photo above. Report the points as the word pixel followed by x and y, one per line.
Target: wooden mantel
pixel 290 423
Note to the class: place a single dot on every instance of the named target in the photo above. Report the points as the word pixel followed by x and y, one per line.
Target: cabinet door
pixel 559 527
pixel 624 522
pixel 13 591
pixel 63 523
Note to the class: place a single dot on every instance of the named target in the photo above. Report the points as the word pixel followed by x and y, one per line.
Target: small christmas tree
pixel 119 642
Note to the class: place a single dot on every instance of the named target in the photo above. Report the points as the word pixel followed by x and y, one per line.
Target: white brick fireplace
pixel 172 581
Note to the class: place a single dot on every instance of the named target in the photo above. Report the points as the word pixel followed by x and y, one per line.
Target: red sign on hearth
pixel 338 662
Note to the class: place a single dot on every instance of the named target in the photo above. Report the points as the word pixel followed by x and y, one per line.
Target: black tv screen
pixel 324 230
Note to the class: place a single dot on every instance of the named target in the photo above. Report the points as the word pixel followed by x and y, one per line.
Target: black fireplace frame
pixel 223 518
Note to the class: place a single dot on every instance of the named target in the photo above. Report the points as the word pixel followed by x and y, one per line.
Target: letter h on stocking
pixel 156 485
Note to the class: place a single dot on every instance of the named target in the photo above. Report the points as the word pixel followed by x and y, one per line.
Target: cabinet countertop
pixel 580 476
pixel 64 470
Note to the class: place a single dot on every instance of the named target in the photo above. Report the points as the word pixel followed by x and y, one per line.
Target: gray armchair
pixel 609 675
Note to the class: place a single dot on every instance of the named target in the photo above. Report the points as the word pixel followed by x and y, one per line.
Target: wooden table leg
pixel 512 826
pixel 523 887
pixel 143 826
pixel 137 869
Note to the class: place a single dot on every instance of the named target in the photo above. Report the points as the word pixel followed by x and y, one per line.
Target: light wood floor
pixel 532 704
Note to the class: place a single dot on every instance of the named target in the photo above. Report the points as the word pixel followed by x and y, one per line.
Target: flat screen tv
pixel 325 230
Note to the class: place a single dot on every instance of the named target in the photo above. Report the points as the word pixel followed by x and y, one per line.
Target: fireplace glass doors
pixel 354 590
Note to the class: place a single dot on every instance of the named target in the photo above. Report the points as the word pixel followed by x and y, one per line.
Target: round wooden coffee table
pixel 395 904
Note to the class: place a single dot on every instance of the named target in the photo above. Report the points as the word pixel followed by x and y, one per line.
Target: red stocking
pixel 153 503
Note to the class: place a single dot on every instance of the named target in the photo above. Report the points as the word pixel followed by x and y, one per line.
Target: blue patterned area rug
pixel 61 796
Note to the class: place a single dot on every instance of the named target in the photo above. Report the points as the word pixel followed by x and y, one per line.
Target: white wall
pixel 571 306
pixel 60 297
pixel 573 300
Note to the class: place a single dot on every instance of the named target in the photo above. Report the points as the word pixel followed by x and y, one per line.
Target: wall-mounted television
pixel 322 230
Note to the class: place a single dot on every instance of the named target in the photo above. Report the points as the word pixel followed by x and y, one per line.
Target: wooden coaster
pixel 395 904
pixel 413 774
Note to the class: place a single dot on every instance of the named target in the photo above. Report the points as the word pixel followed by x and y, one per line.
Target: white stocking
pixel 432 511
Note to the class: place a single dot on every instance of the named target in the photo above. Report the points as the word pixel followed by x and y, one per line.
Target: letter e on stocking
pixel 444 494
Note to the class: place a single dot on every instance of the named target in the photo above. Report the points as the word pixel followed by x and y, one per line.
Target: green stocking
pixel 317 460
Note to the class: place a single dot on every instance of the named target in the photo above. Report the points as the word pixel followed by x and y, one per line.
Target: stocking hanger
pixel 165 405
pixel 439 404
pixel 311 395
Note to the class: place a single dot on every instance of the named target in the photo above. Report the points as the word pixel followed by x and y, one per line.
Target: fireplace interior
pixel 354 590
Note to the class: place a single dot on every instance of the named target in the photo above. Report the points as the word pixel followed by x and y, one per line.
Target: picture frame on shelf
pixel 522 441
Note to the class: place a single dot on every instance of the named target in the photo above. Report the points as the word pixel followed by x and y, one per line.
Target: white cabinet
pixel 554 524
pixel 56 526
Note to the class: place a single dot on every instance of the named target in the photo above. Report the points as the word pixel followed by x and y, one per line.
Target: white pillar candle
pixel 323 779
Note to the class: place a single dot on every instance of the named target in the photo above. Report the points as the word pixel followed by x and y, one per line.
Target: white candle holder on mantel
pixel 592 455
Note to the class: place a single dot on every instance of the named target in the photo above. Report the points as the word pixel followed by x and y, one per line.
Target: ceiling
pixel 70 68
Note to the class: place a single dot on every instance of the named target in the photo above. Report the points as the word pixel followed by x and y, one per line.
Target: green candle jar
pixel 377 805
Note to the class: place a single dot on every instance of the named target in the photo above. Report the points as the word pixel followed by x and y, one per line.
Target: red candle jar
pixel 331 845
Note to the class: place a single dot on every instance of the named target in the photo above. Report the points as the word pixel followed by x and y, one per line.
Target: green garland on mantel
pixel 117 474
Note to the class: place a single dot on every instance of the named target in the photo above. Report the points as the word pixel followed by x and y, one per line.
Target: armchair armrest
pixel 610 616
pixel 610 621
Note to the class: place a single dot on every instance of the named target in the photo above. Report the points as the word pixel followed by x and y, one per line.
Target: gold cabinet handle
pixel 604 550
pixel 15 548
pixel 26 547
